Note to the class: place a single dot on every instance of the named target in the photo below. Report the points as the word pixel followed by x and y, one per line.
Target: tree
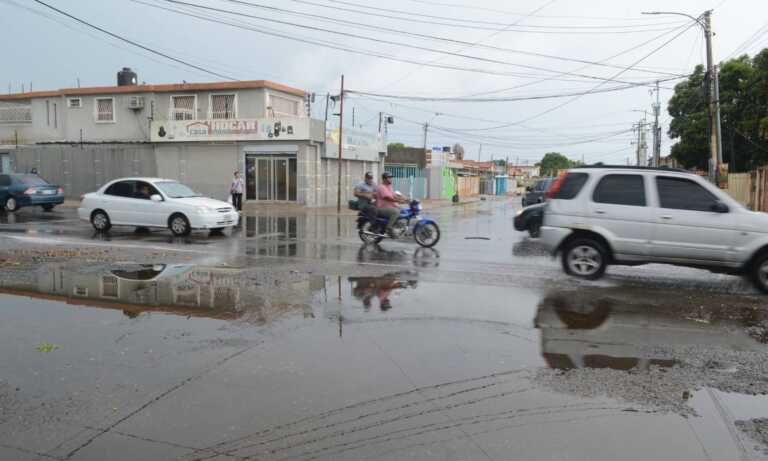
pixel 554 162
pixel 743 115
pixel 395 146
pixel 458 151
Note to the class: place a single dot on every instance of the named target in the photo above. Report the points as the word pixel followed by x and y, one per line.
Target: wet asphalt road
pixel 289 340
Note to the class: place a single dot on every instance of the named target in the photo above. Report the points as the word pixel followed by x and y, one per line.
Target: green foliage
pixel 743 115
pixel 395 146
pixel 554 162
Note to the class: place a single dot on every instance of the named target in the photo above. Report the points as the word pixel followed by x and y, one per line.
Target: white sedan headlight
pixel 203 210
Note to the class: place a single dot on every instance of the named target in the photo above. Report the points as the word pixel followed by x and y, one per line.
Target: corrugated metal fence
pixel 409 180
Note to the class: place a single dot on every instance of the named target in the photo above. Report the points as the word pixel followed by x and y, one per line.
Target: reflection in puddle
pixel 366 288
pixel 608 328
pixel 182 289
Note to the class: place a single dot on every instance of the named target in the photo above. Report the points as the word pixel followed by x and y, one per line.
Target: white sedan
pixel 152 202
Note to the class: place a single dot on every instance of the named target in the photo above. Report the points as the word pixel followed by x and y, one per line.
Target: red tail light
pixel 82 197
pixel 556 185
pixel 30 191
pixel 61 190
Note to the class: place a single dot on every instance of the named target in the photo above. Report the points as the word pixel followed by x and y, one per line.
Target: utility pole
pixel 656 129
pixel 718 128
pixel 480 153
pixel 711 78
pixel 353 116
pixel 641 144
pixel 426 130
pixel 341 143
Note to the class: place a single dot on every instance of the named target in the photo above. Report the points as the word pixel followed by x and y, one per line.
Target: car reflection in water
pixel 622 329
pixel 181 289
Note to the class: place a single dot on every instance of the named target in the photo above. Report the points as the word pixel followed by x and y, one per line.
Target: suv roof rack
pixel 625 167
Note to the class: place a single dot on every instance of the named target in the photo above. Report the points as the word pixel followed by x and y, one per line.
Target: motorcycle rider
pixel 387 202
pixel 366 194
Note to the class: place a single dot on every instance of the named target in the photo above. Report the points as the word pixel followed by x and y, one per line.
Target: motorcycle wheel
pixel 427 235
pixel 363 232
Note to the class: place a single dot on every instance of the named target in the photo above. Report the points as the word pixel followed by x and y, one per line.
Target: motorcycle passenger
pixel 387 203
pixel 366 194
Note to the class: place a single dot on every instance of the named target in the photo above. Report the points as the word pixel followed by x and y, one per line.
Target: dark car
pixel 530 219
pixel 535 194
pixel 20 190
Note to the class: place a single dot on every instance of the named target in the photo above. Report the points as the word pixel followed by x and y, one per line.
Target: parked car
pixel 23 190
pixel 152 202
pixel 530 219
pixel 598 216
pixel 535 194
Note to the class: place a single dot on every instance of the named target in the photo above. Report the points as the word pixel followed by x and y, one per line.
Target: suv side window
pixel 620 189
pixel 121 189
pixel 5 180
pixel 572 185
pixel 683 194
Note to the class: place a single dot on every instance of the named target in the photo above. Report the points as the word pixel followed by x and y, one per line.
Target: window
pixel 121 189
pixel 74 103
pixel 683 194
pixel 105 110
pixel 223 106
pixel 620 189
pixel 284 106
pixel 176 190
pixel 82 292
pixel 30 180
pixel 16 112
pixel 571 186
pixel 144 190
pixel 5 180
pixel 48 113
pixel 183 107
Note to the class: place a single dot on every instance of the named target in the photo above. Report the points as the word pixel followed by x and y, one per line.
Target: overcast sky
pixel 52 51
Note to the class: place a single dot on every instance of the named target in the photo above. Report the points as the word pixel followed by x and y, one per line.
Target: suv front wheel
pixel 585 258
pixel 760 272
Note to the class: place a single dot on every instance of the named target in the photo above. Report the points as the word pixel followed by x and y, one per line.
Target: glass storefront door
pixel 270 178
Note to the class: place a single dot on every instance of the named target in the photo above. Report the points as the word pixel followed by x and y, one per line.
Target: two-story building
pixel 197 133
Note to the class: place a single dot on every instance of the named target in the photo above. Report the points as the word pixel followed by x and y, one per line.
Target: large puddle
pixel 184 361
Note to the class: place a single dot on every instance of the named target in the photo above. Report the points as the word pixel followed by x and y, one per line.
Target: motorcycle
pixel 409 224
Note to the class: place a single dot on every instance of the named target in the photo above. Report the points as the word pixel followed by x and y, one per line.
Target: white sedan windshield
pixel 176 190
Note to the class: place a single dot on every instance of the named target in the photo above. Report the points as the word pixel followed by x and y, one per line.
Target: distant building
pixel 524 171
pixel 197 133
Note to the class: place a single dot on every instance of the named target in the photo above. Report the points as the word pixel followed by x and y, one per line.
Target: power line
pixel 136 44
pixel 332 45
pixel 357 24
pixel 503 99
pixel 367 38
pixel 546 79
pixel 463 23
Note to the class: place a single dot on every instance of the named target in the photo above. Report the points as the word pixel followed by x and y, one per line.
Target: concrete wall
pixel 130 125
pixel 84 169
pixel 407 156
pixel 251 103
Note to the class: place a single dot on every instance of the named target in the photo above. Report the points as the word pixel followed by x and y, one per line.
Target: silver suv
pixel 598 216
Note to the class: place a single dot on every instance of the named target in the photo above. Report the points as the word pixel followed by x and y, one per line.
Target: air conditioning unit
pixel 136 102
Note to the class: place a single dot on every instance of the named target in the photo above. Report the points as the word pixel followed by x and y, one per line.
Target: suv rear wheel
pixel 585 258
pixel 760 273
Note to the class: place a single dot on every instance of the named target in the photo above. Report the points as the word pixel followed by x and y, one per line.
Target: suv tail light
pixel 555 187
pixel 61 190
pixel 30 191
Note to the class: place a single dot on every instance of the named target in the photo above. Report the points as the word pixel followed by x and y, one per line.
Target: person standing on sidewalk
pixel 236 189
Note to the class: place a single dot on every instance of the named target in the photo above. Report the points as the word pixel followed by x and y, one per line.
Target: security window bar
pixel 183 108
pixel 75 103
pixel 15 112
pixel 223 106
pixel 105 110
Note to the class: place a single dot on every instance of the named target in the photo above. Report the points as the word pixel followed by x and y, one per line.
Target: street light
pixel 715 145
pixel 426 128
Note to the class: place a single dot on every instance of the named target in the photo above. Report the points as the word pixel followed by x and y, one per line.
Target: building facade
pixel 197 133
